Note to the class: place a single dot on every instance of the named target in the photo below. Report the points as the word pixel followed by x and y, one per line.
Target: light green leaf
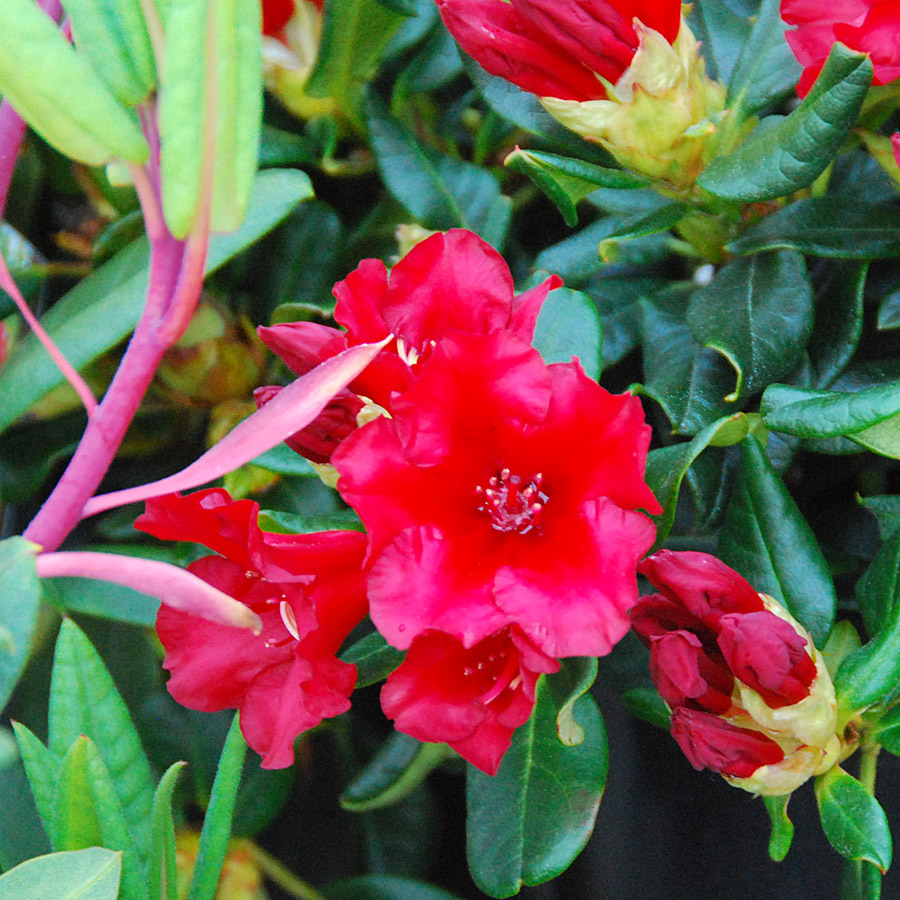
pixel 90 874
pixel 162 871
pixel 569 325
pixel 43 769
pixel 782 827
pixel 20 595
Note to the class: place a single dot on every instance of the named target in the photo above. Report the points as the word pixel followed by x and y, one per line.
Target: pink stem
pixel 175 587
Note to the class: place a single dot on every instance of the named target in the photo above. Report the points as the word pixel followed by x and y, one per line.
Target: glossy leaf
pixel 862 881
pixel 767 540
pixel 112 34
pixel 572 682
pixel 853 819
pixel 887 731
pixel 641 225
pixel 781 157
pixel 162 872
pixel 58 92
pixel 879 587
pixel 90 874
pixel 782 827
pixel 569 326
pixel 373 657
pixel 758 313
pixel 886 509
pixel 527 823
pixel 837 227
pixel 103 309
pixel 398 768
pixel 722 31
pixel 43 769
pixel 567 181
pixel 384 887
pixel 217 822
pixel 646 704
pixel 84 701
pixel 20 595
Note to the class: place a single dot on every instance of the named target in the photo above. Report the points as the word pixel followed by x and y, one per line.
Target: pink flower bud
pixel 750 695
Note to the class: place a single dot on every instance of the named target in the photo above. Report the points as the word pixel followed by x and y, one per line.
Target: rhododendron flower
pixel 307 590
pixel 750 695
pixel 447 283
pixel 471 698
pixel 867 26
pixel 502 491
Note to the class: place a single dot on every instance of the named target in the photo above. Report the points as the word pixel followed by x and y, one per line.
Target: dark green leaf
pixel 889 312
pixel 405 7
pixel 887 731
pixel 103 309
pixel 217 823
pixel 101 598
pixel 293 523
pixel 527 823
pixel 646 704
pixel 757 312
pixel 374 659
pixel 853 819
pixel 84 701
pixel 782 827
pixel 398 768
pixel 572 682
pixel 568 326
pixel 22 834
pixel 767 540
pixel 384 887
pixel 886 509
pixel 43 770
pixel 879 587
pixel 162 872
pixel 58 92
pixel 723 32
pixel 90 874
pixel 781 157
pixel 20 595
pixel 641 225
pixel 862 881
pixel 837 227
pixel 567 181
pixel 284 461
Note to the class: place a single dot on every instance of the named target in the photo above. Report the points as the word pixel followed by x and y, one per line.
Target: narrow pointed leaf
pixel 782 827
pixel 162 871
pixel 43 768
pixel 373 657
pixel 783 156
pixel 90 874
pixel 58 93
pixel 20 595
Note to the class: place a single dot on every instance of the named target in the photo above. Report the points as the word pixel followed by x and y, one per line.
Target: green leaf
pixel 217 823
pixel 401 764
pixel 723 32
pixel 43 769
pixel 103 309
pixel 821 414
pixel 404 7
pixel 889 312
pixel 853 819
pixel 767 540
pixel 384 887
pixel 835 227
pixel 58 93
pixel 572 682
pixel 20 595
pixel 646 704
pixel 210 108
pixel 90 874
pixel 887 731
pixel 879 587
pixel 112 34
pixel 101 598
pixel 294 523
pixel 782 827
pixel 862 881
pixel 84 701
pixel 758 313
pixel 354 35
pixel 640 225
pixel 527 823
pixel 373 657
pixel 783 156
pixel 162 872
pixel 886 509
pixel 284 461
pixel 567 181
pixel 568 326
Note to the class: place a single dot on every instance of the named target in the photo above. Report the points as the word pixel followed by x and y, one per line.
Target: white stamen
pixel 289 619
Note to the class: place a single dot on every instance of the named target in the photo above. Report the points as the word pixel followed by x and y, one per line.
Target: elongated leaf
pixel 723 32
pixel 112 34
pixel 572 682
pixel 19 601
pixel 569 326
pixel 643 224
pixel 853 819
pixel 787 155
pixel 384 887
pixel 758 313
pixel 567 181
pixel 887 732
pixel 217 823
pixel 836 227
pixel 767 540
pixel 862 881
pixel 397 769
pixel 373 657
pixel 103 309
pixel 43 769
pixel 879 587
pixel 58 93
pixel 527 823
pixel 90 874
pixel 84 701
pixel 782 827
pixel 162 871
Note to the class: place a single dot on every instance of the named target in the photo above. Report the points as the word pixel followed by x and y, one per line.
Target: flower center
pixel 492 673
pixel 511 502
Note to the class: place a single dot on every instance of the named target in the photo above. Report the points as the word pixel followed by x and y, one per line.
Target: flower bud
pixel 749 693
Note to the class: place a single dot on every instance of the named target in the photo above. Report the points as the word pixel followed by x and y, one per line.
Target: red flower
pixel 745 683
pixel 277 13
pixel 307 590
pixel 502 491
pixel 447 283
pixel 867 26
pixel 472 699
pixel 557 48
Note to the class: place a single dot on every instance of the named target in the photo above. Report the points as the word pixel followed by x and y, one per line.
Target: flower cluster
pixel 749 693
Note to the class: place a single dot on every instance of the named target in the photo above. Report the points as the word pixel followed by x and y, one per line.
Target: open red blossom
pixel 867 26
pixel 447 283
pixel 470 698
pixel 309 594
pixel 557 48
pixel 277 13
pixel 502 491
